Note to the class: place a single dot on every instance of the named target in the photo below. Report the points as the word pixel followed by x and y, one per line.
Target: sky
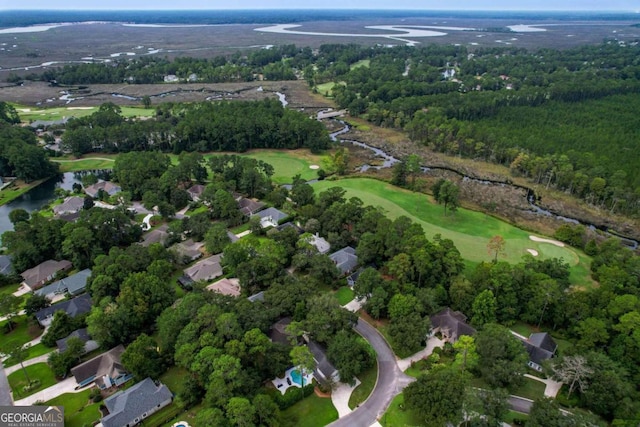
pixel 542 5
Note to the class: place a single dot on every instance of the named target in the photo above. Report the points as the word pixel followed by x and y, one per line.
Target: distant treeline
pixel 222 126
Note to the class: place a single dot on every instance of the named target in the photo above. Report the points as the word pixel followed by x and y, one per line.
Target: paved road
pixel 38 359
pixel 391 381
pixel 5 390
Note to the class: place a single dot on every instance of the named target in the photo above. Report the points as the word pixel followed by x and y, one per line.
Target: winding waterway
pixel 532 198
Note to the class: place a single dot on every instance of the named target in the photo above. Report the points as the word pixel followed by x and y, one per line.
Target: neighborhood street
pixel 5 390
pixel 391 381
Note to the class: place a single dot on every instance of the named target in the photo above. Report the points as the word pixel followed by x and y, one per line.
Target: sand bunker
pixel 314 167
pixel 533 252
pixel 541 240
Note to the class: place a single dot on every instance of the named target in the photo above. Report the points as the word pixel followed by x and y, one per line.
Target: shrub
pixel 286 400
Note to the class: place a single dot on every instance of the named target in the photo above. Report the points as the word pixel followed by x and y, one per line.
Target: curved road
pixel 391 381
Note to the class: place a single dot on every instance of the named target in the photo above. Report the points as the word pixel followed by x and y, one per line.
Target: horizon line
pixel 319 9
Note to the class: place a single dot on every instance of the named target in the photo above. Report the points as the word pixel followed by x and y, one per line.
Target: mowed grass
pixel 361 393
pixel 33 351
pixel 361 63
pixel 344 295
pixel 78 410
pixel 83 164
pixel 22 333
pixel 39 371
pixel 469 230
pixel 28 114
pixel 312 411
pixel 398 416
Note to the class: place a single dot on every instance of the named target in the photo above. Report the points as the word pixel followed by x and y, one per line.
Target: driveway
pixel 391 381
pixel 65 386
pixel 520 404
pixel 39 359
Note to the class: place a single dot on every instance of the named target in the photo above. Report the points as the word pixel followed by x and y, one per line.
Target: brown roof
pixel 39 274
pixel 206 269
pixel 226 287
pixel 248 206
pixel 453 321
pixel 107 363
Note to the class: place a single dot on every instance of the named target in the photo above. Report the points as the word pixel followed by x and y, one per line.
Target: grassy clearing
pixel 78 410
pixel 469 230
pixel 398 416
pixel 312 411
pixel 189 415
pixel 513 417
pixel 28 114
pixel 173 379
pixel 325 88
pixel 344 295
pixel 88 163
pixel 367 383
pixel 39 371
pixel 17 189
pixel 361 63
pixel 22 333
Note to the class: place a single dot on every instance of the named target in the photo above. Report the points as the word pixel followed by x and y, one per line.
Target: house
pixel 270 217
pixel 226 286
pixel 290 224
pixel 73 285
pixel 195 191
pixel 129 407
pixel 325 371
pixel 345 259
pixel 107 186
pixel 105 369
pixel 278 331
pixel 158 235
pixel 232 237
pixel 320 243
pixel 249 207
pixel 6 266
pixel 188 250
pixel 256 297
pixel 353 277
pixel 73 307
pixel 540 347
pixel 451 325
pixel 204 270
pixel 37 276
pixel 83 335
pixel 70 205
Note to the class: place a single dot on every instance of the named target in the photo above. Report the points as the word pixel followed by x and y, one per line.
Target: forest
pixel 219 126
pixel 221 342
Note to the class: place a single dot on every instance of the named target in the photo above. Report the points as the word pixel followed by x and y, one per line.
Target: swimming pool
pixel 296 377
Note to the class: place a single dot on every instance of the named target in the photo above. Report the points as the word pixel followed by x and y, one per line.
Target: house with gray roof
pixel 73 307
pixel 107 186
pixel 540 347
pixel 325 371
pixel 129 407
pixel 37 276
pixel 202 271
pixel 82 335
pixel 345 259
pixel 256 297
pixel 105 370
pixel 270 217
pixel 249 207
pixel 73 285
pixel 195 191
pixel 319 243
pixel 70 205
pixel 157 235
pixel 6 265
pixel 451 325
pixel 188 250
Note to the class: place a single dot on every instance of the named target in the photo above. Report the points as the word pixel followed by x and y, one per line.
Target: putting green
pixel 469 230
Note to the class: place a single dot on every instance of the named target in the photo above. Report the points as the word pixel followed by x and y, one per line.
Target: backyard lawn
pixel 313 411
pixel 39 371
pixel 469 230
pixel 78 410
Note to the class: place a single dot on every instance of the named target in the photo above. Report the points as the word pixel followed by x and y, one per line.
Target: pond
pixel 41 195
